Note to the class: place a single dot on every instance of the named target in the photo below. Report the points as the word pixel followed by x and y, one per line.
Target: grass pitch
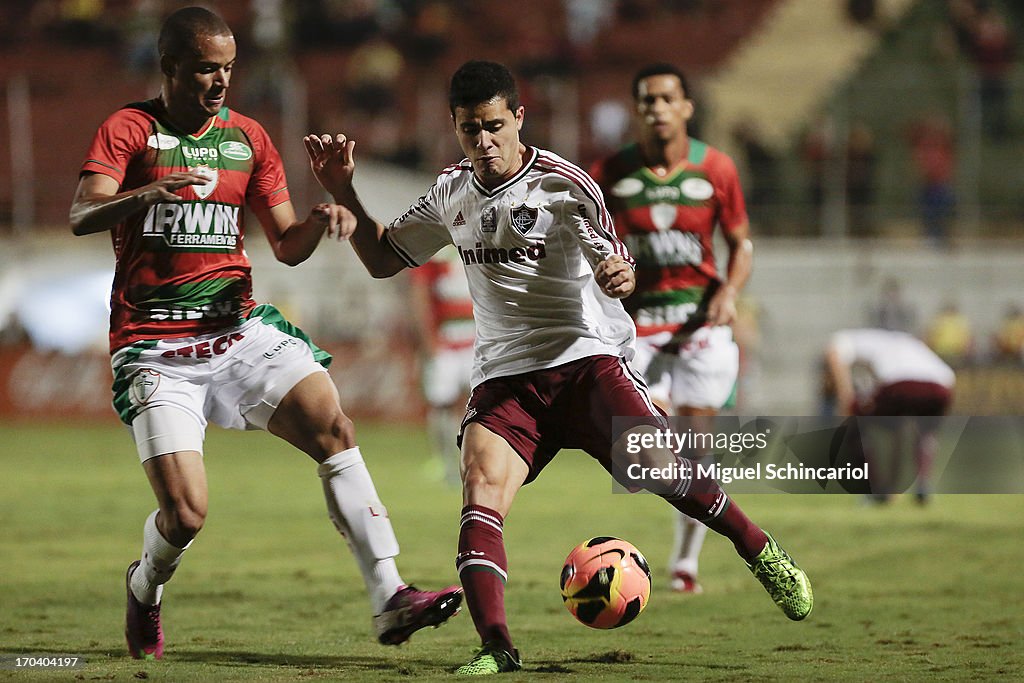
pixel 269 592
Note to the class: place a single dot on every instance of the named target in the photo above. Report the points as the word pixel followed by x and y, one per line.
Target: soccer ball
pixel 605 582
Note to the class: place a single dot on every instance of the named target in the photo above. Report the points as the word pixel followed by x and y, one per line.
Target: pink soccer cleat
pixel 142 624
pixel 410 609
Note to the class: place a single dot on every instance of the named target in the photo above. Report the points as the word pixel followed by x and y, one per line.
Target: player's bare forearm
pixel 98 206
pixel 615 277
pixel 92 214
pixel 722 307
pixel 295 241
pixel 377 256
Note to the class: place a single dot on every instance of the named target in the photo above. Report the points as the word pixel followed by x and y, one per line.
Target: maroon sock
pixel 706 502
pixel 483 571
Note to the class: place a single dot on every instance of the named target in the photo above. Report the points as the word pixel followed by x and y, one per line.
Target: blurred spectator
pixel 1008 341
pixel 80 22
pixel 762 180
pixel 816 152
pixel 427 37
pixel 892 312
pixel 949 334
pixel 18 22
pixel 139 32
pixel 992 50
pixel 335 22
pixel 962 15
pixel 585 19
pixel 373 107
pixel 372 76
pixel 271 62
pixel 609 123
pixel 863 13
pixel 860 180
pixel 932 149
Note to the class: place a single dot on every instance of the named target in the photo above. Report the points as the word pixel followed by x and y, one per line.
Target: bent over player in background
pixel 892 376
pixel 667 194
pixel 168 178
pixel 545 272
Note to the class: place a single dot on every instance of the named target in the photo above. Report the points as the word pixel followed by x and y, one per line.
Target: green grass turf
pixel 270 593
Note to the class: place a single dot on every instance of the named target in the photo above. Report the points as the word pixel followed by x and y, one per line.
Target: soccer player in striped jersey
pixel 168 179
pixel 546 273
pixel 444 316
pixel 668 193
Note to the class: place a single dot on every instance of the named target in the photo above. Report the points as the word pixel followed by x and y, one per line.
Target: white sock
pixel 159 560
pixel 443 425
pixel 359 516
pixel 689 539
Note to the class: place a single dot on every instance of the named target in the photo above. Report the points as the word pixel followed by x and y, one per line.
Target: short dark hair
pixel 479 81
pixel 659 69
pixel 180 30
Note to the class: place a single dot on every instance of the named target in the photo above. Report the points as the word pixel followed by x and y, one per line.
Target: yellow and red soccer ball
pixel 605 582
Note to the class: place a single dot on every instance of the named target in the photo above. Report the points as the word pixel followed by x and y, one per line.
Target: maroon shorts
pixel 569 406
pixel 927 402
pixel 912 398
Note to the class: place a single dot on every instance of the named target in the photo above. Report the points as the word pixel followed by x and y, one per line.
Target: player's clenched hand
pixel 163 189
pixel 339 223
pixel 722 307
pixel 615 277
pixel 332 160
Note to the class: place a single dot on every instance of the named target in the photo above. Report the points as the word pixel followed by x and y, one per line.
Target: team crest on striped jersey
pixel 524 218
pixel 144 385
pixel 663 215
pixel 206 189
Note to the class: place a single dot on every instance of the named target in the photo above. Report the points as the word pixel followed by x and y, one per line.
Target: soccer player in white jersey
pixel 895 377
pixel 188 343
pixel 546 273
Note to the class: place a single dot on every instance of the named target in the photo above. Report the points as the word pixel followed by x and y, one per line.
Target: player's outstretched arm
pixel 615 277
pixel 98 205
pixel 294 241
pixel 332 160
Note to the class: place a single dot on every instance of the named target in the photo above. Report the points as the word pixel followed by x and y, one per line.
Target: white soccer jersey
pixel 529 247
pixel 892 356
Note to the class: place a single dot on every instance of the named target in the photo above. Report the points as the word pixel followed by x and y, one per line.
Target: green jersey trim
pixel 698 152
pixel 271 316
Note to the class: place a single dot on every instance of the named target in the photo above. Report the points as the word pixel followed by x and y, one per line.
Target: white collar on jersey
pixel 528 160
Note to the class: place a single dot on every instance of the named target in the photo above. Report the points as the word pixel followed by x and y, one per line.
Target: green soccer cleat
pixel 785 582
pixel 492 659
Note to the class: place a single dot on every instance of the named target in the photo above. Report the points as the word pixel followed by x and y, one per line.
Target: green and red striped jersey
pixel 668 223
pixel 181 268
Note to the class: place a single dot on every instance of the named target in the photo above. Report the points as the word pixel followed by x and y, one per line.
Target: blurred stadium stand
pixel 783 85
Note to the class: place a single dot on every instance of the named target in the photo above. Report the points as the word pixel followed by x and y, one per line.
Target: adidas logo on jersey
pixel 480 254
pixel 459 220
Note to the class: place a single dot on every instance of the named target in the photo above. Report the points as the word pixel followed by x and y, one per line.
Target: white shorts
pixel 700 373
pixel 166 390
pixel 446 377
